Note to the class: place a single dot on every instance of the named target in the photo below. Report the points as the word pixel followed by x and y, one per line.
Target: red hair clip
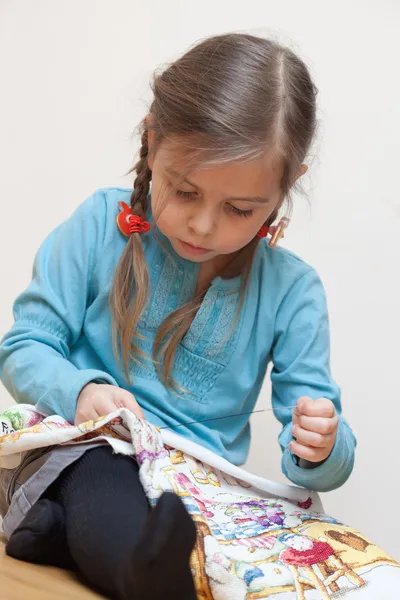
pixel 129 223
pixel 276 232
pixel 264 231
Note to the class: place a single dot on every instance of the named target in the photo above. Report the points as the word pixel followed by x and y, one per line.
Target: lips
pixel 194 250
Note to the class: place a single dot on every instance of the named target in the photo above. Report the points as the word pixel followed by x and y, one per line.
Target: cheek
pixel 170 218
pixel 239 233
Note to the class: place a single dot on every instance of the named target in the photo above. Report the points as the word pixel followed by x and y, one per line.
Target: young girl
pixel 172 305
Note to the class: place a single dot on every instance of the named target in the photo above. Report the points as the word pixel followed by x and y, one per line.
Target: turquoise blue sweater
pixel 61 339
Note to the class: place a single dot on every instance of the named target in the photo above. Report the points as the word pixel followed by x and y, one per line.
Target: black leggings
pixel 96 518
pixel 105 512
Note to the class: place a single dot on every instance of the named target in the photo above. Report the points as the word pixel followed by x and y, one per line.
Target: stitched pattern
pixel 223 335
pixel 204 314
pixel 208 346
pixel 195 374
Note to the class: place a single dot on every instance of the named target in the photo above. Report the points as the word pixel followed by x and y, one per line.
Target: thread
pixel 253 412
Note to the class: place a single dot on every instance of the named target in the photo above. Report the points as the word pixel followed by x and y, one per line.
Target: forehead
pixel 259 177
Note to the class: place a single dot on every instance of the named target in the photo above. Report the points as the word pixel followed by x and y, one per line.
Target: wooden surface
pixel 23 581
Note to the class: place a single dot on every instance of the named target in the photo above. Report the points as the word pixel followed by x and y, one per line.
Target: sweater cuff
pixel 330 474
pixel 67 409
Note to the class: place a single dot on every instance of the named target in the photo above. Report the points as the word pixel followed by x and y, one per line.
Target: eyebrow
pixel 179 177
pixel 253 199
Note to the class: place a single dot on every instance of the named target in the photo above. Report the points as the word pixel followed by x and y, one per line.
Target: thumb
pixel 304 405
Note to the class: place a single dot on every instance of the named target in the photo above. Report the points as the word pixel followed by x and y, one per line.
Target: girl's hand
pixel 315 425
pixel 98 400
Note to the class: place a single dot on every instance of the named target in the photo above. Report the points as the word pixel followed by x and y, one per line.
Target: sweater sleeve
pixel 49 316
pixel 301 359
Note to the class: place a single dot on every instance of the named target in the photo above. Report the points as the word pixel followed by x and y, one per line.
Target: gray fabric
pixel 9 478
pixel 20 488
pixel 6 476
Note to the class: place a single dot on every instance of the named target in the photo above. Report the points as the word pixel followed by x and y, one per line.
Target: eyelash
pixel 183 194
pixel 240 213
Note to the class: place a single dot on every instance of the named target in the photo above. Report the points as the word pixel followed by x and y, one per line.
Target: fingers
pixel 311 438
pixel 125 399
pixel 104 406
pixel 91 415
pixel 315 408
pixel 86 415
pixel 100 407
pixel 309 453
pixel 321 425
pixel 98 400
pixel 315 425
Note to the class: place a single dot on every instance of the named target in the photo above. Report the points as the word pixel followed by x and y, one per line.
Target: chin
pixel 196 259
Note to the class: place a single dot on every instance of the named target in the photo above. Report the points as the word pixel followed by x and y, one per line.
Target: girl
pixel 178 324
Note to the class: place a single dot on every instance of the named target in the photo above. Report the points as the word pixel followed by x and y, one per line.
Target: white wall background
pixel 73 84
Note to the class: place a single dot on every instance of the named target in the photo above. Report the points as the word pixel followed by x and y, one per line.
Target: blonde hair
pixel 231 98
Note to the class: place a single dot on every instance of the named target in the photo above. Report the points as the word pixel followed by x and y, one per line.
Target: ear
pixel 150 142
pixel 302 171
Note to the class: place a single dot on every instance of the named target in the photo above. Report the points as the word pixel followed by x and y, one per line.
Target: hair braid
pixel 132 272
pixel 141 185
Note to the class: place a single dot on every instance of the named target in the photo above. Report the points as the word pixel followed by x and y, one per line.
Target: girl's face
pixel 216 211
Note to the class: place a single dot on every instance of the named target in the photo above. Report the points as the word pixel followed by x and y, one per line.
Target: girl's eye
pixel 241 213
pixel 184 194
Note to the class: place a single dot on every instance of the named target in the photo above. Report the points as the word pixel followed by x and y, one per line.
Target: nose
pixel 202 222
